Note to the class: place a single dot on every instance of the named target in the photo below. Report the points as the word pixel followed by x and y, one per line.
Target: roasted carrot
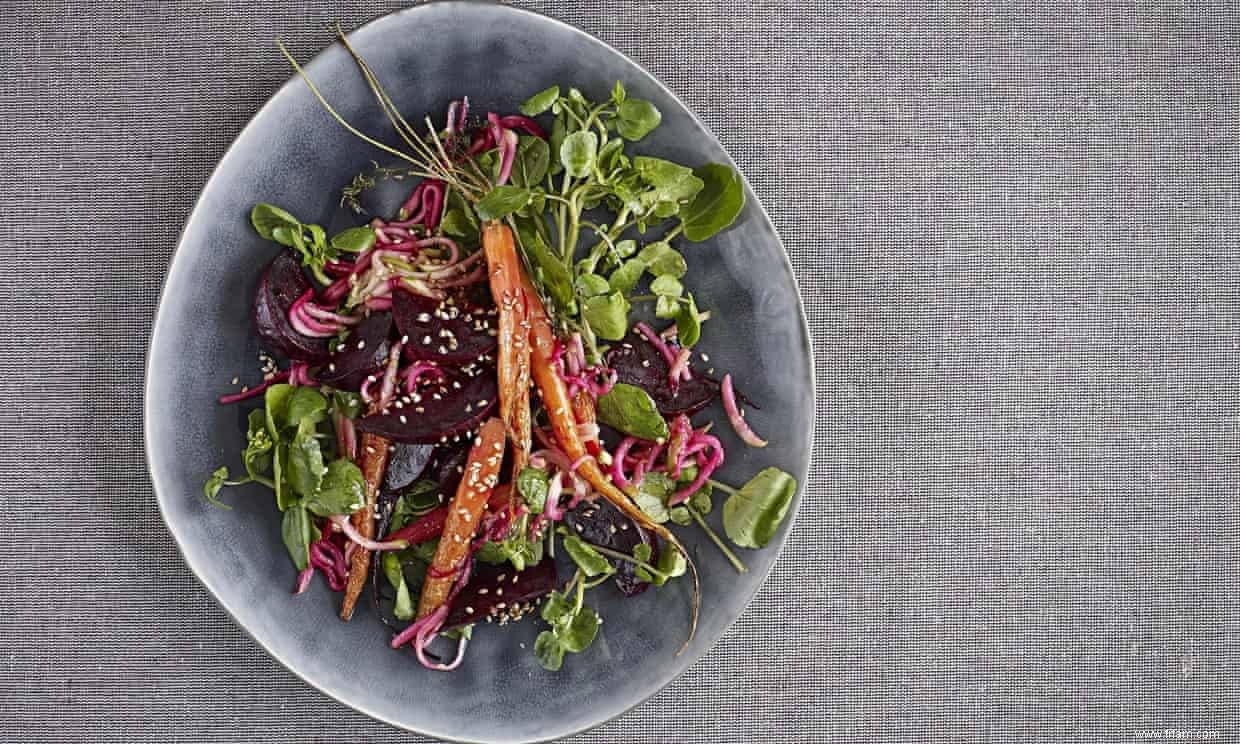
pixel 583 412
pixel 373 453
pixel 464 513
pixel 513 363
pixel 564 424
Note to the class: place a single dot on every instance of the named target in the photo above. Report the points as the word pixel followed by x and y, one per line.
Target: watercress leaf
pixel 502 201
pixel 688 474
pixel 458 225
pixel 354 240
pixel 701 501
pixel 608 315
pixel 306 406
pixel 532 484
pixel 688 322
pixel 609 155
pixel 492 552
pixel 643 575
pixel 636 118
pixel 589 560
pixel 295 529
pixel 716 206
pixel 285 495
pixel 417 500
pixel 680 515
pixel 663 174
pixel 305 461
pixel 537 203
pixel 540 101
pixel 346 403
pixel 626 248
pixel 652 494
pixel 578 153
pixel 580 632
pixel 553 276
pixel 257 454
pixel 671 563
pixel 396 577
pixel 318 238
pixel 211 488
pixel 557 610
pixel 341 490
pixel 630 410
pixel 618 92
pixel 667 285
pixel 623 279
pixel 276 404
pixel 663 260
pixel 666 306
pixel 531 163
pixel 548 651
pixel 267 217
pixel 591 285
pixel 753 514
pixel 642 552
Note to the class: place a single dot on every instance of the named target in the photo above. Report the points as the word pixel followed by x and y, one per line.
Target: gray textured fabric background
pixel 1015 232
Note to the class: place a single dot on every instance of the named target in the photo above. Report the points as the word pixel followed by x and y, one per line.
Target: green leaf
pixel 578 153
pixel 580 632
pixel 617 92
pixel 557 610
pixel 663 260
pixel 608 315
pixel 611 156
pixel 257 453
pixel 354 240
pixel 318 238
pixel 276 404
pixel 623 279
pixel 458 225
pixel 700 500
pixel 548 651
pixel 680 515
pixel 341 490
pixel 306 406
pixel 626 248
pixel 502 201
pixel 592 285
pixel 642 551
pixel 285 494
pixel 636 118
pixel 717 205
pixel 296 533
pixel 652 495
pixel 589 560
pixel 540 101
pixel 417 500
pixel 212 487
pixel 531 162
pixel 305 461
pixel 630 410
pixel 553 276
pixel 290 237
pixel 532 484
pixel 266 218
pixel 667 285
pixel 559 130
pixel 752 515
pixel 671 563
pixel 395 575
pixel 688 323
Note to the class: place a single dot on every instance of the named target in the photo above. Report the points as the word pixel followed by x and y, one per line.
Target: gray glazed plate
pixel 292 154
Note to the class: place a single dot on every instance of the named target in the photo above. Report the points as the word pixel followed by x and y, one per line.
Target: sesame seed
pixel 361 344
pixel 500 591
pixel 331 367
pixel 370 450
pixel 501 578
pixel 704 357
pixel 426 340
pixel 404 339
pixel 501 605
pixel 403 420
pixel 483 590
pixel 235 380
pixel 244 388
pixel 469 610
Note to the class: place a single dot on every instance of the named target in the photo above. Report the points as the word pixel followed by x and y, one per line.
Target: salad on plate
pixel 501 373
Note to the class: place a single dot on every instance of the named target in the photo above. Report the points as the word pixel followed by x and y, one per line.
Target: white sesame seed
pixel 361 344
pixel 235 380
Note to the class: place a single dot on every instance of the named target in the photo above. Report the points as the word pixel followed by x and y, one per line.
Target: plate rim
pixel 196 215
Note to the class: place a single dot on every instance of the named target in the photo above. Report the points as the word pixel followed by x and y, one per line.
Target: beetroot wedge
pixel 639 363
pixel 500 592
pixel 455 331
pixel 282 283
pixel 439 412
pixel 600 523
pixel 362 353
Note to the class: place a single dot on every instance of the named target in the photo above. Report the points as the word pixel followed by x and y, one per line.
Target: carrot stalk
pixel 374 457
pixel 464 514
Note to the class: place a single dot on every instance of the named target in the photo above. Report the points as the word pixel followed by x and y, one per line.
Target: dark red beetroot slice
pixel 282 283
pixel 602 524
pixel 362 353
pixel 449 465
pixel 516 590
pixel 428 420
pixel 453 333
pixel 639 363
pixel 406 465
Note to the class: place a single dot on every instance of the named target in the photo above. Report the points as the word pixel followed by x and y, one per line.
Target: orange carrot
pixel 373 454
pixel 464 514
pixel 504 270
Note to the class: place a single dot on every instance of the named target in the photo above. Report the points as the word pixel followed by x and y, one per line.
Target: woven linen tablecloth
pixel 1015 230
